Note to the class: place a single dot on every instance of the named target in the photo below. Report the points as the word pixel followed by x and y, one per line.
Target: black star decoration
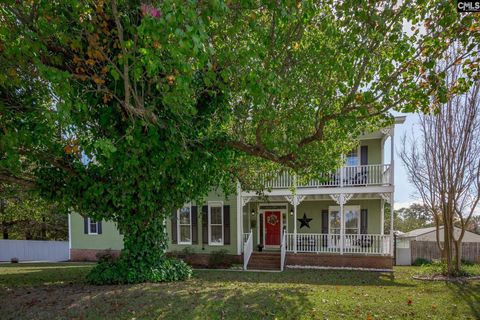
pixel 305 222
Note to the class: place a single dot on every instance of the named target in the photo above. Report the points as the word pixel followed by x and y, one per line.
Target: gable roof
pixel 419 232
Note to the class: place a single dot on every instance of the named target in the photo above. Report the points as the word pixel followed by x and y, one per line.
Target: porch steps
pixel 264 261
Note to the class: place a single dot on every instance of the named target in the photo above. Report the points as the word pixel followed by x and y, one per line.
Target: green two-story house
pixel 337 221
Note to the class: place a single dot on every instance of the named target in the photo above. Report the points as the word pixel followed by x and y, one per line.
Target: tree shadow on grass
pixel 182 300
pixel 310 277
pixel 468 292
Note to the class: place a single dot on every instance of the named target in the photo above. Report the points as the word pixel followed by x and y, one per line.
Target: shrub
pixel 106 256
pixel 120 271
pixel 14 260
pixel 421 262
pixel 220 259
pixel 438 267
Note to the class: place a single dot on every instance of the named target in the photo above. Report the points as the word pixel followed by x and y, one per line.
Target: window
pixel 352 158
pixel 92 226
pixel 215 212
pixel 184 225
pixel 352 220
pixel 334 221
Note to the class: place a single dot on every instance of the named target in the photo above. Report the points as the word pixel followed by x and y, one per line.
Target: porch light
pixel 291 212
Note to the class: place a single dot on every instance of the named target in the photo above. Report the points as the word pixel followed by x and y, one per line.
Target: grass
pixel 58 291
pixel 437 268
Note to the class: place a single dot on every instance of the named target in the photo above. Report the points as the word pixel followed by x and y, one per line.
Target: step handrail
pixel 283 250
pixel 247 250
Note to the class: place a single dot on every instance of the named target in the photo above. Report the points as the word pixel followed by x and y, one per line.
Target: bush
pixel 106 256
pixel 421 261
pixel 120 271
pixel 220 259
pixel 440 268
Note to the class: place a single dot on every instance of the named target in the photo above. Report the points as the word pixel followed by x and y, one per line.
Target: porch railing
pixel 348 176
pixel 247 249
pixel 283 250
pixel 374 244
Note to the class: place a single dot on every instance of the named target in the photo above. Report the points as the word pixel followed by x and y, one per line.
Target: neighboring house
pixel 422 244
pixel 338 221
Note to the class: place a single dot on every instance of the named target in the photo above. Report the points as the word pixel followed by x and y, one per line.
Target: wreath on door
pixel 272 220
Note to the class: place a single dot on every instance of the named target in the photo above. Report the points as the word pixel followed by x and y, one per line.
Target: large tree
pixel 443 161
pixel 126 110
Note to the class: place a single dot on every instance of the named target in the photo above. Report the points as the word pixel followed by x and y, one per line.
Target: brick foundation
pixel 330 260
pixel 200 260
pixel 194 259
pixel 88 254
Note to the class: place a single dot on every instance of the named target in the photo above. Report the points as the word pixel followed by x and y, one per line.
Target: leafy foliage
pixel 121 271
pixel 126 110
pixel 220 259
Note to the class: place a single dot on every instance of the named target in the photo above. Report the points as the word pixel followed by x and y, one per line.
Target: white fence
pixel 374 244
pixel 34 250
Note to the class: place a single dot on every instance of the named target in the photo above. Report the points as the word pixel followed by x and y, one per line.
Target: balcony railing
pixel 375 244
pixel 349 176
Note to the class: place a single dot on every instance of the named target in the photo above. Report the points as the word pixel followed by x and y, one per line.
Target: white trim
pixel 178 226
pixel 89 224
pixel 220 205
pixel 239 209
pixel 69 236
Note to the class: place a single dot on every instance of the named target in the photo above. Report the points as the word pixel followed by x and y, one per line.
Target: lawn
pixel 51 291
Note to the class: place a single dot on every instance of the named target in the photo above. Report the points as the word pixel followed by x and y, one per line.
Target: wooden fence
pixel 429 250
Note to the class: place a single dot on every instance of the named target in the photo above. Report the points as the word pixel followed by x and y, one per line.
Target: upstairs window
pixel 353 158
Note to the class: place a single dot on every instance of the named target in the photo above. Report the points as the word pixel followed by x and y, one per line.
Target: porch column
pixel 382 217
pixel 342 224
pixel 392 157
pixel 239 219
pixel 295 226
pixel 341 199
pixel 391 221
pixel 295 200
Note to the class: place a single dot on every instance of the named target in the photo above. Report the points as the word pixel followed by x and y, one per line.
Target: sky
pixel 404 190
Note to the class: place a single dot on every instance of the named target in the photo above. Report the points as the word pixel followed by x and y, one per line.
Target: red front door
pixel 273 224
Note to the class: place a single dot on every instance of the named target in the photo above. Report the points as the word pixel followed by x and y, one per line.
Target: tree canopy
pixel 125 110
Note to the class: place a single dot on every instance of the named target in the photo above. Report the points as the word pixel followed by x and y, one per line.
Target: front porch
pixel 335 230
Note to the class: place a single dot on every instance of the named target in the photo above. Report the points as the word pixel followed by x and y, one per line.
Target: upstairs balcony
pixel 347 176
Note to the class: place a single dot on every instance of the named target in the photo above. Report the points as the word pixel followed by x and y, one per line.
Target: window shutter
pixel 85 225
pixel 325 221
pixel 99 227
pixel 174 226
pixel 194 225
pixel 363 221
pixel 226 224
pixel 205 224
pixel 364 155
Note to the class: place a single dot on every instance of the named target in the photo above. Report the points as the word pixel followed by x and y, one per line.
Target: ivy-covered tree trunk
pixel 143 257
pixel 144 240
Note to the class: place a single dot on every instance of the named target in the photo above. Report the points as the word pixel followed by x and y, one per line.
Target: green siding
pixel 109 239
pixel 374 150
pixel 205 248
